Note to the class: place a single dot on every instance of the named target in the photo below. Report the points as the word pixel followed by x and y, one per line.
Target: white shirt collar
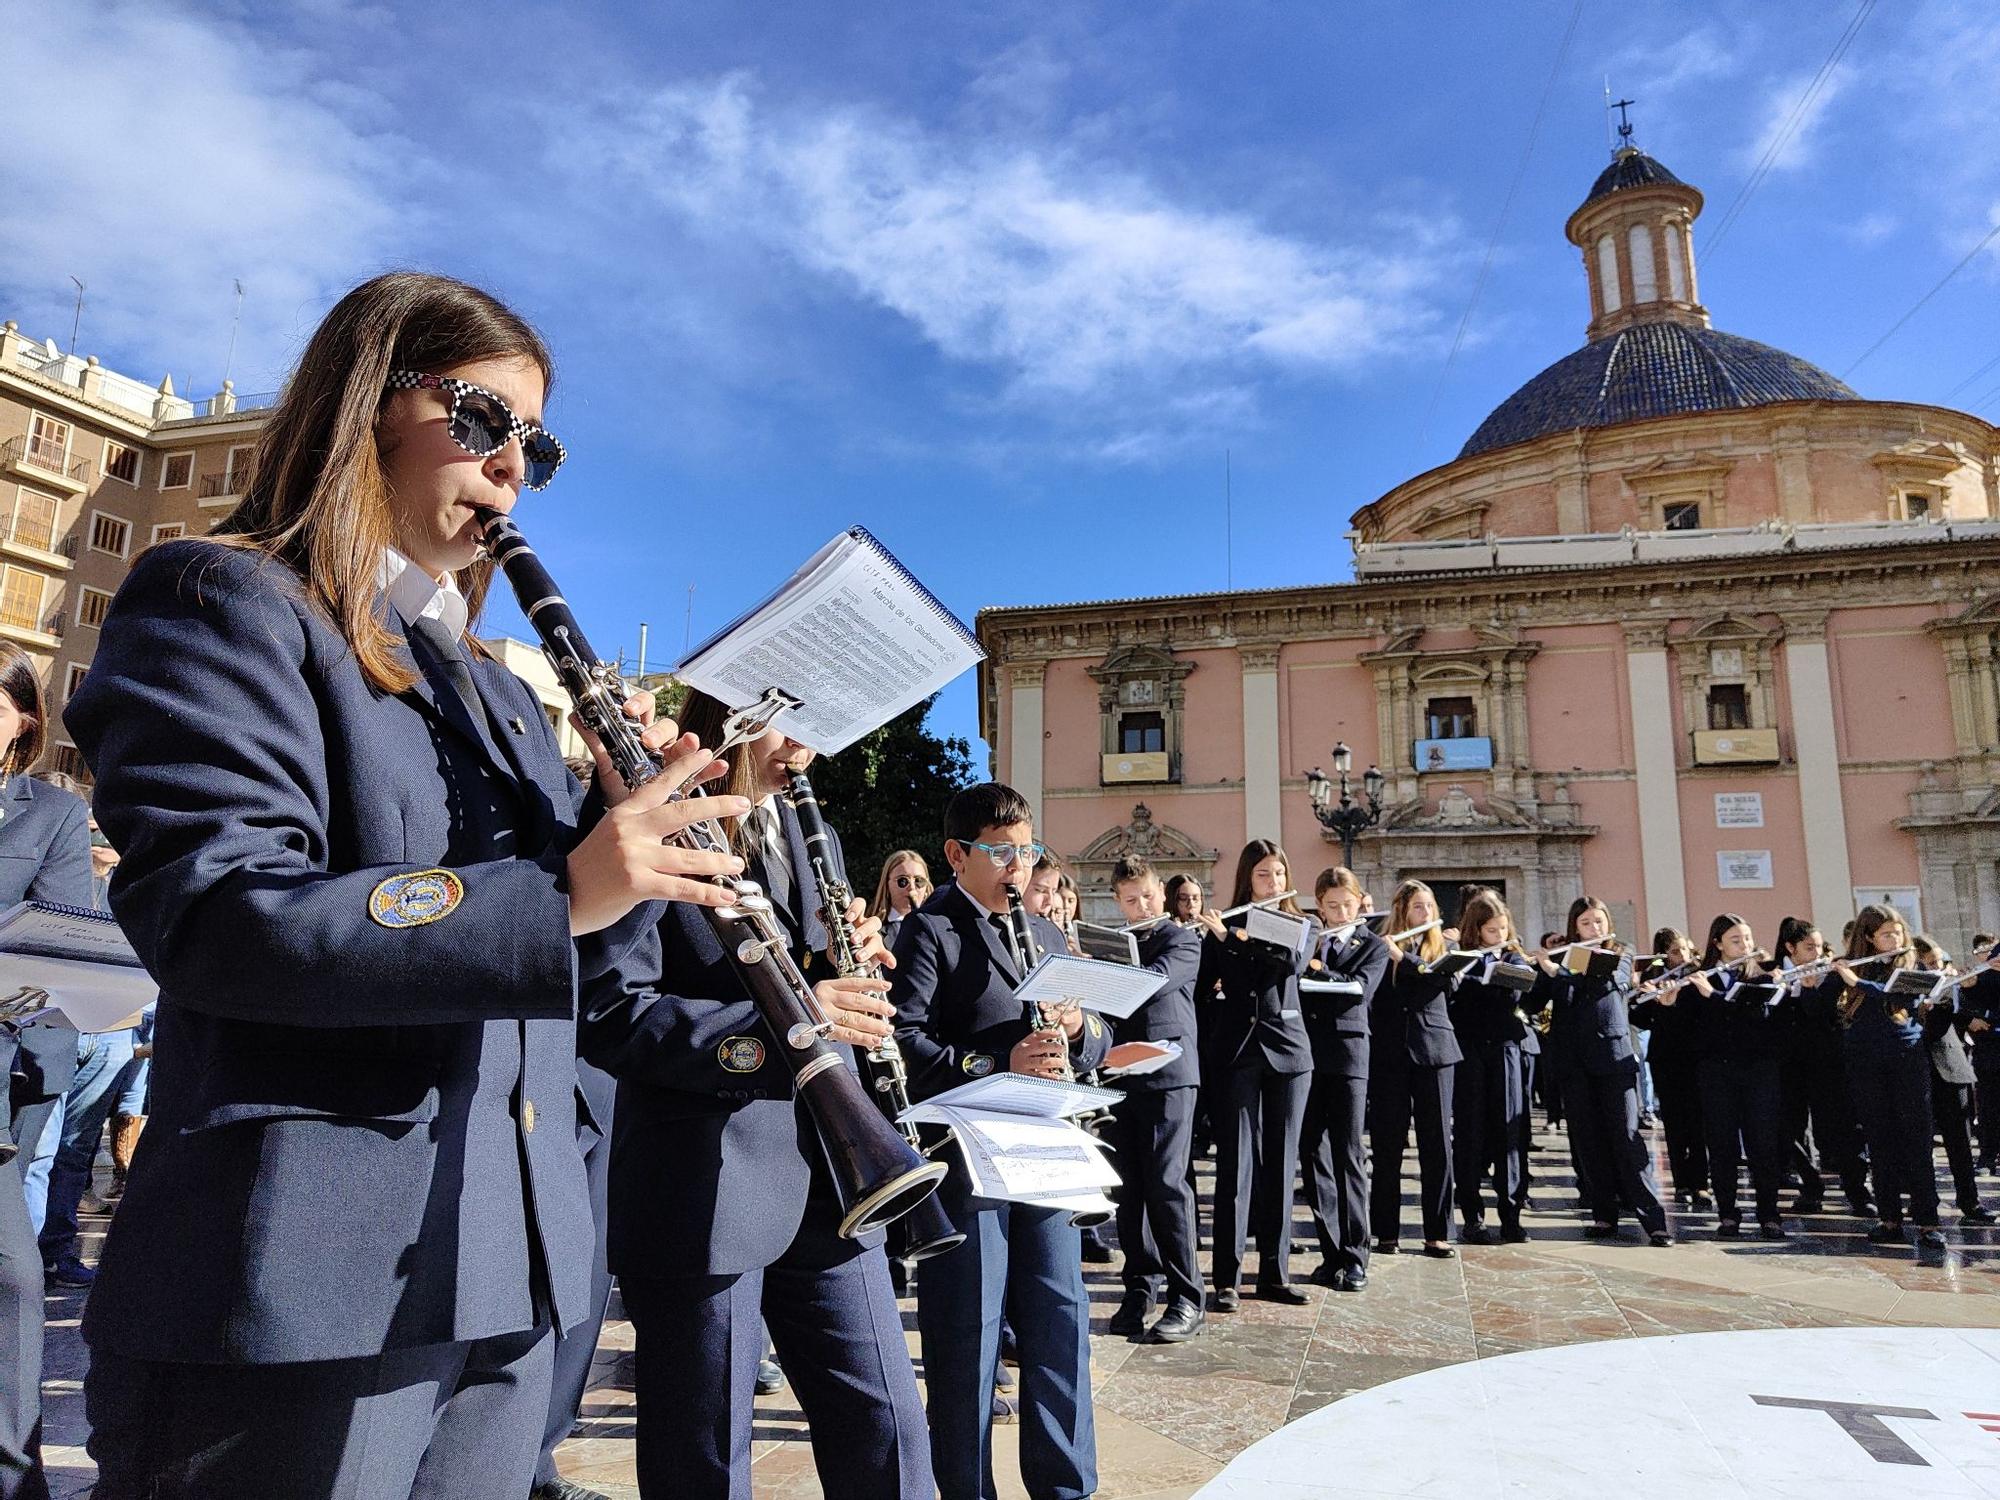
pixel 418 596
pixel 977 905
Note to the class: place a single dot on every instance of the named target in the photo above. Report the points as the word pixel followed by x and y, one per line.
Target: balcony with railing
pixel 222 489
pixel 39 459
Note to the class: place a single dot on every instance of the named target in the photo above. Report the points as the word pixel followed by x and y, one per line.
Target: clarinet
pixel 877 1174
pixel 926 1230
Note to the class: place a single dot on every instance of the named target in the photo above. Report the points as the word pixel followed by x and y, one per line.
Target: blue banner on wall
pixel 1455 755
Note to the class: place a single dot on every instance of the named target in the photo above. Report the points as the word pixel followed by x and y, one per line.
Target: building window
pixel 1607 273
pixel 121 462
pixel 21 598
pixel 1451 719
pixel 34 520
pixel 1677 280
pixel 1645 288
pixel 1140 734
pixel 1682 515
pixel 167 531
pixel 1728 706
pixel 48 443
pixel 1916 506
pixel 110 534
pixel 69 760
pixel 73 679
pixel 177 471
pixel 92 605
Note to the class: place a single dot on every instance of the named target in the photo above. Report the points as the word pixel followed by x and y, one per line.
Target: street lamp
pixel 1345 818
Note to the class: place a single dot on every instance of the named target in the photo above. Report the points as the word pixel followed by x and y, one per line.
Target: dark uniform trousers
pixel 1153 1134
pixel 1740 1099
pixel 1603 1112
pixel 1815 1085
pixel 1425 1095
pixel 1337 1169
pixel 1891 1088
pixel 1489 1125
pixel 20 1346
pixel 576 1348
pixel 959 1301
pixel 831 1313
pixel 1260 1114
pixel 1679 1090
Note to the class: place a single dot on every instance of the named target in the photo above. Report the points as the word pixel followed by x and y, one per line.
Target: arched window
pixel 1677 280
pixel 1607 272
pixel 1645 286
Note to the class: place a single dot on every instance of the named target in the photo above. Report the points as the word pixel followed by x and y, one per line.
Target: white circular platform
pixel 1817 1413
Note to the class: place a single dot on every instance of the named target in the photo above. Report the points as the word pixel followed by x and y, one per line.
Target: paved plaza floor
pixel 1170 1418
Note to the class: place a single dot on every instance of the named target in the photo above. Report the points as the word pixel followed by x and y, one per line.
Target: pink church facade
pixel 1688 625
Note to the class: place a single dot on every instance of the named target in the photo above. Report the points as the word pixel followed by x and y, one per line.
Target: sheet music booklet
pixel 1110 989
pixel 81 958
pixel 1133 1059
pixel 1290 934
pixel 1592 963
pixel 852 635
pixel 1107 944
pixel 1020 1143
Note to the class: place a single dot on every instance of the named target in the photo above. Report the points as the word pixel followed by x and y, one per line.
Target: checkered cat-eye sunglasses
pixel 481 423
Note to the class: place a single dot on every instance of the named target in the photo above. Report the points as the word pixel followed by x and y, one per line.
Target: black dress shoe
pixel 1980 1215
pixel 770 1379
pixel 1326 1275
pixel 1475 1234
pixel 1180 1322
pixel 1228 1300
pixel 1886 1234
pixel 1595 1231
pixel 1809 1205
pixel 1513 1234
pixel 1659 1239
pixel 1728 1229
pixel 1774 1231
pixel 1281 1291
pixel 565 1489
pixel 1387 1247
pixel 1440 1252
pixel 1353 1281
pixel 1862 1206
pixel 1931 1238
pixel 1095 1251
pixel 1701 1203
pixel 1130 1319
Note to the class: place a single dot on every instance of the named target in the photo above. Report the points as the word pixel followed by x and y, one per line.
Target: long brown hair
pixel 1431 946
pixel 1577 908
pixel 1255 853
pixel 1870 920
pixel 1711 955
pixel 1481 905
pixel 318 500
pixel 703 717
pixel 23 684
pixel 880 906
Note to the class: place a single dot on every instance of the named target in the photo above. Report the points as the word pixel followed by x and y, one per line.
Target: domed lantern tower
pixel 1635 232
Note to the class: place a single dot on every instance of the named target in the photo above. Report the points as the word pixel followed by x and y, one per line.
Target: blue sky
pixel 1002 282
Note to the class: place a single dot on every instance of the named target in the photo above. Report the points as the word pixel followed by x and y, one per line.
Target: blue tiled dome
pixel 1631 168
pixel 1652 370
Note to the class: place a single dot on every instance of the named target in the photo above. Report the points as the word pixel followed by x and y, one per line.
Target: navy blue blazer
pixel 953 989
pixel 1415 1005
pixel 1259 1014
pixel 1485 1014
pixel 712 1156
pixel 1738 1030
pixel 44 856
pixel 364 1130
pixel 1175 951
pixel 1591 1029
pixel 1339 1023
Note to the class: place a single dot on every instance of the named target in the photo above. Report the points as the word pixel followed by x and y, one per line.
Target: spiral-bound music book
pixel 81 958
pixel 1019 1142
pixel 852 635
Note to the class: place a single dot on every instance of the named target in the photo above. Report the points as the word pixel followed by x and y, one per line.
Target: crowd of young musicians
pixel 367 1242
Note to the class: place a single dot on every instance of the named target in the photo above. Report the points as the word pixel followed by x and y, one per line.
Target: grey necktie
pixel 769 830
pixel 451 656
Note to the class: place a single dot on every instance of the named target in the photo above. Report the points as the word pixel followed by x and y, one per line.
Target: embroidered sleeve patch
pixel 976 1064
pixel 740 1054
pixel 416 898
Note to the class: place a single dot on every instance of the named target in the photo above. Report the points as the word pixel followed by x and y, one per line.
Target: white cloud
pixel 165 153
pixel 1079 284
pixel 1791 122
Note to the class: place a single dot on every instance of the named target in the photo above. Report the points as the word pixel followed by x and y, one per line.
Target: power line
pixel 1786 131
pixel 1995 360
pixel 1500 225
pixel 1943 280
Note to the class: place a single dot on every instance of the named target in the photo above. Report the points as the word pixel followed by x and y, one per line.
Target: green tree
pixel 888 791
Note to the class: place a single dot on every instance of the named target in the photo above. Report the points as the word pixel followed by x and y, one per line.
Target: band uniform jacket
pixel 44 856
pixel 1258 1013
pixel 713 1156
pixel 1726 1026
pixel 953 989
pixel 1485 1014
pixel 1590 1030
pixel 1175 951
pixel 1949 1058
pixel 1338 1024
pixel 1417 1006
pixel 364 1128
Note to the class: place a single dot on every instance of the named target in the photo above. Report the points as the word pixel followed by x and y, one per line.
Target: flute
pixel 1234 911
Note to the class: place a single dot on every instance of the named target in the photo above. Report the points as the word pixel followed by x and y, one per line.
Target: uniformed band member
pixel 1153 1128
pixel 353 863
pixel 1738 1027
pixel 1952 1083
pixel 1813 1080
pixel 1490 1110
pixel 1338 990
pixel 724 1216
pixel 1590 1032
pixel 1264 1072
pixel 44 856
pixel 904 886
pixel 957 1018
pixel 1413 1080
pixel 1673 1056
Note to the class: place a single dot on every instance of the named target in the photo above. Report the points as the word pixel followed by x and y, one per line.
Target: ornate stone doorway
pixel 1167 849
